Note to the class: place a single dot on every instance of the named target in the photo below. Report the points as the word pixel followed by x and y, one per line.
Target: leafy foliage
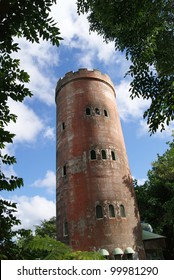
pixel 85 255
pixel 47 228
pixel 7 220
pixel 43 245
pixel 50 248
pixel 144 30
pixel 156 198
pixel 31 20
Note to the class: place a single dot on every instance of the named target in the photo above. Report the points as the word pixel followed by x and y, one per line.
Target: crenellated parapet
pixel 84 73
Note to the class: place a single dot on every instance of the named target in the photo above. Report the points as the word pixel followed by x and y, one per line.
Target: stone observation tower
pixel 96 207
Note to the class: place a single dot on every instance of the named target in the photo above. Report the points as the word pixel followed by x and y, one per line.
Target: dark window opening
pixel 99 212
pixel 64 170
pixel 93 154
pixel 105 113
pixel 118 257
pixel 111 211
pixel 88 111
pixel 97 111
pixel 63 126
pixel 113 155
pixel 129 256
pixel 104 154
pixel 65 229
pixel 122 211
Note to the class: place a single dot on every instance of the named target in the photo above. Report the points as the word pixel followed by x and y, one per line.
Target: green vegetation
pixel 42 245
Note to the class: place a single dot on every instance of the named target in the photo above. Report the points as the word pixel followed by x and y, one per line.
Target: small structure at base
pixel 154 245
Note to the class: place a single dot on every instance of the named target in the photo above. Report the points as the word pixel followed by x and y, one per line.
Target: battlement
pixel 84 73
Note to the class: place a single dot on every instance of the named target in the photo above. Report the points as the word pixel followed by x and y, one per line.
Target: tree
pixel 144 30
pixel 43 245
pixel 47 228
pixel 156 198
pixel 31 20
pixel 44 248
pixel 47 248
pixel 8 249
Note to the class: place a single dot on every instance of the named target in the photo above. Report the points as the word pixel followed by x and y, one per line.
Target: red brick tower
pixel 96 207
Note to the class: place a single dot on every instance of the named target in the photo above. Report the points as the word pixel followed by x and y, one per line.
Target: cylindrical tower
pixel 96 207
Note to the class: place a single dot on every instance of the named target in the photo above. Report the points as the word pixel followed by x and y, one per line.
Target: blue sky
pixel 34 144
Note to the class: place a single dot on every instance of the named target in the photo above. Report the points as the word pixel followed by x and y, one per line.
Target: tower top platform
pixel 84 73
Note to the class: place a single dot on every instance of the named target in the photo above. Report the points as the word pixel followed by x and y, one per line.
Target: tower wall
pixel 96 205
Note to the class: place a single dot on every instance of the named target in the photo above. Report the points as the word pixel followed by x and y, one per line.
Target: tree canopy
pixel 31 20
pixel 156 198
pixel 144 30
pixel 47 227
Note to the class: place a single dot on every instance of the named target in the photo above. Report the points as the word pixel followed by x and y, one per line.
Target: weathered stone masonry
pixel 96 205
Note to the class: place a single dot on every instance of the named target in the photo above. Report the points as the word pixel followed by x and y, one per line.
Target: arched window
pixel 113 155
pixel 105 113
pixel 111 211
pixel 88 111
pixel 93 154
pixel 99 212
pixel 97 111
pixel 122 211
pixel 103 152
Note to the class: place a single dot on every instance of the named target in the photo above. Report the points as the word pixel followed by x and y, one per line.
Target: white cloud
pixel 33 210
pixel 49 133
pixel 129 109
pixel 38 60
pixel 28 127
pixel 64 14
pixel 42 53
pixel 141 182
pixel 48 182
pixel 86 59
pixel 28 124
pixel 133 110
pixel 75 32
